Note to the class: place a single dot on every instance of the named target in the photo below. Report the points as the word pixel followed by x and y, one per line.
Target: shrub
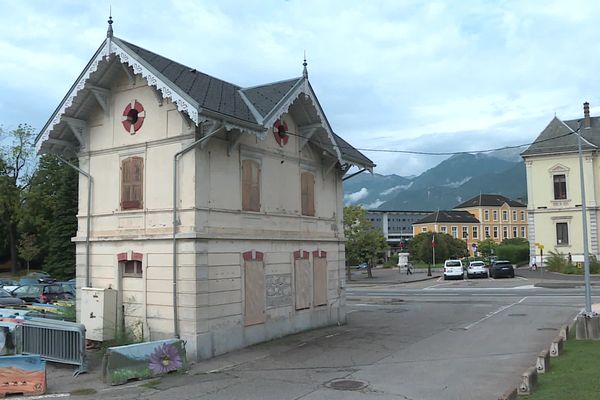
pixel 391 262
pixel 556 262
pixel 516 254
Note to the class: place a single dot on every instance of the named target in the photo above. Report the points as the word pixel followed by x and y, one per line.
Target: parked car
pixel 6 299
pixel 8 282
pixel 502 268
pixel 477 269
pixel 41 293
pixel 36 277
pixel 68 287
pixel 362 266
pixel 453 269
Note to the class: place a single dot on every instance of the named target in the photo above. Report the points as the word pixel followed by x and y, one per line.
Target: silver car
pixel 477 269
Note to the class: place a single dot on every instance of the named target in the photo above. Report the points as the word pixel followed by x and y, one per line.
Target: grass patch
pixel 573 375
pixel 83 392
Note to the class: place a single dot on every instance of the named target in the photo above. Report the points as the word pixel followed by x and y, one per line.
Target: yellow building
pixel 500 217
pixel 486 216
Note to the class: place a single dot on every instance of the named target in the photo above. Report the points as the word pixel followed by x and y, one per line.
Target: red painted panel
pixel 122 257
pixel 137 256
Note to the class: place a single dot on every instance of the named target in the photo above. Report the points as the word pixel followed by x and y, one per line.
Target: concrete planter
pixel 143 360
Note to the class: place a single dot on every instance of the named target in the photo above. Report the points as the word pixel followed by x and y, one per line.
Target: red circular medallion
pixel 133 117
pixel 280 131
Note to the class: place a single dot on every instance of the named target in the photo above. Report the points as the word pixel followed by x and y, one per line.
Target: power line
pixel 432 153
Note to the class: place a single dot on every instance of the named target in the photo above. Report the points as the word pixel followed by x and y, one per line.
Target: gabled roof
pixel 210 93
pixel 490 200
pixel 448 217
pixel 265 97
pixel 556 138
pixel 200 96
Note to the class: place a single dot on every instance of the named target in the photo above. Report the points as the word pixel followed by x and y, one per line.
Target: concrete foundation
pixel 587 327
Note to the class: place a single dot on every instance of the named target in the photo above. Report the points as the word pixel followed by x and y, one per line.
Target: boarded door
pixel 302 272
pixel 320 278
pixel 254 288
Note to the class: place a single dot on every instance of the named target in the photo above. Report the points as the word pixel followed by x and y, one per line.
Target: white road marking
pixel 43 396
pixel 466 328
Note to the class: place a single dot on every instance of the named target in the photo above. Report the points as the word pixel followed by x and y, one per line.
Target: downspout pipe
pixel 88 281
pixel 174 239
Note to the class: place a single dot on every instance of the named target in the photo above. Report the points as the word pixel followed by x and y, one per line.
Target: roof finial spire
pixel 109 32
pixel 305 71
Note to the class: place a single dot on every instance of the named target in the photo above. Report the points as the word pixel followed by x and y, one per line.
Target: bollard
pixel 543 362
pixel 564 332
pixel 556 347
pixel 528 381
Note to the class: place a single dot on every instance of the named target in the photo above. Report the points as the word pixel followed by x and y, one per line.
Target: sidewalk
pixel 391 276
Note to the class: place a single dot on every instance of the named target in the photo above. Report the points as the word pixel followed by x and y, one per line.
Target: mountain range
pixel 449 183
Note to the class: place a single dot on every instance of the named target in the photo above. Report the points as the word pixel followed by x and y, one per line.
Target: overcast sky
pixel 402 75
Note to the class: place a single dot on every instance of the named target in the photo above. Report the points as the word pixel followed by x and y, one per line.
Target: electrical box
pixel 99 313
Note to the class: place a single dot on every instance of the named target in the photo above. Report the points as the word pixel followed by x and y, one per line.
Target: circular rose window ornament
pixel 280 131
pixel 133 117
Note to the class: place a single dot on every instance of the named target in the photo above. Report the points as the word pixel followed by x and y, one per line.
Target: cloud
pixel 355 197
pixel 457 183
pixel 439 76
pixel 374 204
pixel 396 189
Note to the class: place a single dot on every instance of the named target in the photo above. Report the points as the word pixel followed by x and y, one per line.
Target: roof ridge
pixel 270 83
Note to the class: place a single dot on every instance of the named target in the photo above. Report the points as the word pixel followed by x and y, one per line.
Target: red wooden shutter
pixel 250 185
pixel 132 183
pixel 307 193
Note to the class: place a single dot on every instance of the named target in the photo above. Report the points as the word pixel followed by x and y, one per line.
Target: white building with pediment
pixel 214 210
pixel 554 187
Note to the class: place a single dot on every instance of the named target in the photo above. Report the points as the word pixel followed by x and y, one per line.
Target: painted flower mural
pixel 165 358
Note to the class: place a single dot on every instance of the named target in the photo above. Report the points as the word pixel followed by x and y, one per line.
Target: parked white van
pixel 453 269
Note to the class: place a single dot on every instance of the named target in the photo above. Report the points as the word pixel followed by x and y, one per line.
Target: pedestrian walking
pixel 409 269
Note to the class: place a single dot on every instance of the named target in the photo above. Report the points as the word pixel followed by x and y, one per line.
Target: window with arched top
pixel 132 183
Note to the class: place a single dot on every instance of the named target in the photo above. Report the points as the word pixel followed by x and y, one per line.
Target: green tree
pixel 17 160
pixel 363 242
pixel 28 248
pixel 50 211
pixel 486 247
pixel 421 248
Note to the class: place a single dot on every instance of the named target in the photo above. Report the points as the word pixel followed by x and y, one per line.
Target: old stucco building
pixel 230 241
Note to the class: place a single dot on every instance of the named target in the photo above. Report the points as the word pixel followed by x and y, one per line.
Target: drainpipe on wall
pixel 175 158
pixel 88 281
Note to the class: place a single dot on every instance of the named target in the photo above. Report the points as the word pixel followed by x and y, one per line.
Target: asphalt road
pixel 427 340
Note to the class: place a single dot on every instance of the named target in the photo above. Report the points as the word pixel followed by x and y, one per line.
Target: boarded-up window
pixel 303 278
pixel 320 278
pixel 254 288
pixel 132 183
pixel 308 193
pixel 250 185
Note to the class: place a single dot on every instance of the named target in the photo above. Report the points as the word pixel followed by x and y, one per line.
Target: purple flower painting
pixel 165 358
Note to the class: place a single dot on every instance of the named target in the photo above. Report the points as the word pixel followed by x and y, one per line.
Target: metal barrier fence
pixel 58 341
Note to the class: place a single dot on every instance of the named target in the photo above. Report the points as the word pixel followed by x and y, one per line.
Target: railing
pixel 58 341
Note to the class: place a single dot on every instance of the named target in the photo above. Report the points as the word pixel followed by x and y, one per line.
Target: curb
pixel 361 282
pixel 529 378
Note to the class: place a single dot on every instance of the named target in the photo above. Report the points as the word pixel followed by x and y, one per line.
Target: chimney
pixel 587 123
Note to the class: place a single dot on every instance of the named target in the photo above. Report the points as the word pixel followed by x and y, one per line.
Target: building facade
pixel 395 225
pixel 499 217
pixel 458 224
pixel 215 211
pixel 488 216
pixel 554 186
